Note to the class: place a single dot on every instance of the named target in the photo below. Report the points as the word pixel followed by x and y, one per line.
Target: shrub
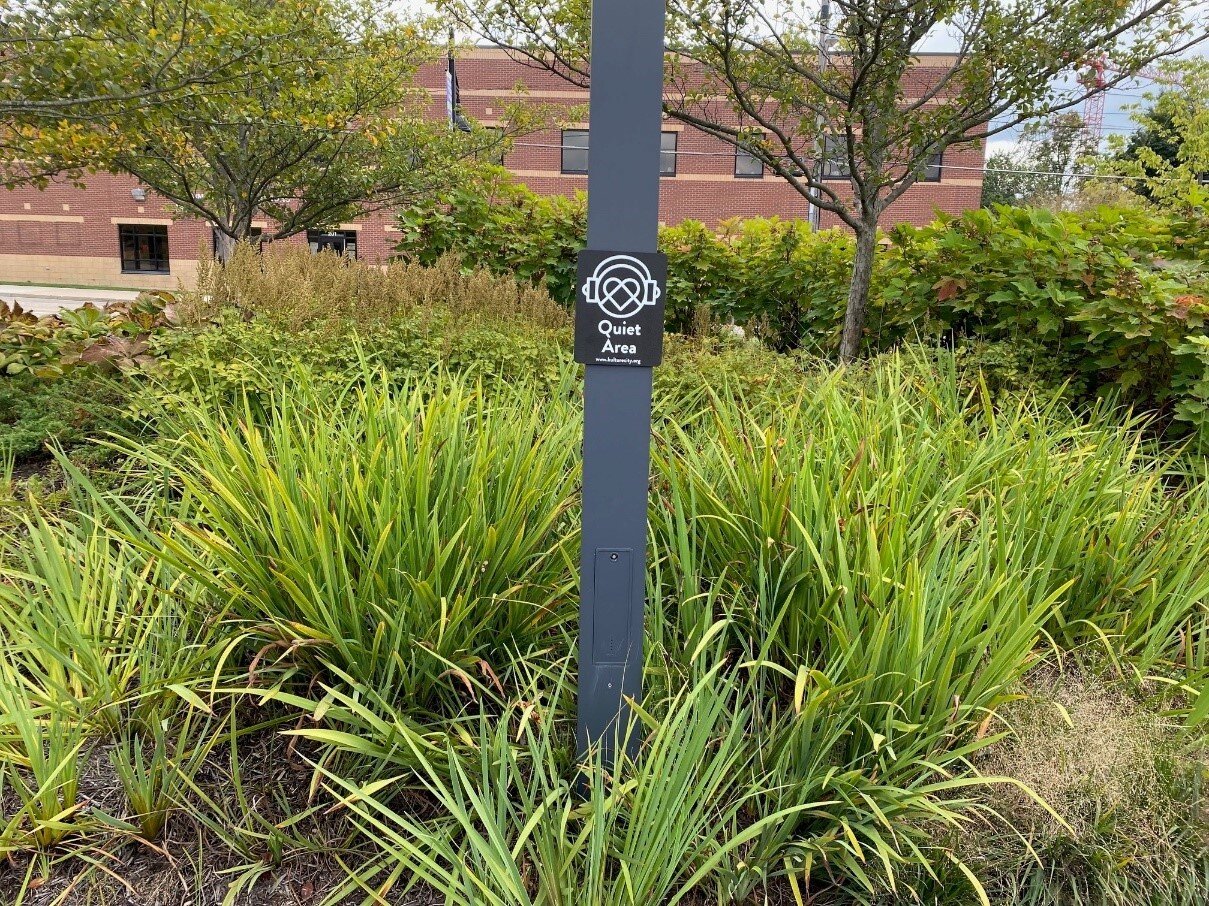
pixel 36 413
pixel 503 228
pixel 1109 301
pixel 1091 289
pixel 777 277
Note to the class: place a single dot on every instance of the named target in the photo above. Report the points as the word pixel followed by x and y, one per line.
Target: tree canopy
pixel 74 65
pixel 1046 164
pixel 1168 154
pixel 305 112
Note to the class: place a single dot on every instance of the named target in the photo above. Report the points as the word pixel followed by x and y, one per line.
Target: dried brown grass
pixel 1085 748
pixel 1126 782
pixel 297 289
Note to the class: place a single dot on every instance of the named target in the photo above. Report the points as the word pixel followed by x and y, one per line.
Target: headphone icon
pixel 621 286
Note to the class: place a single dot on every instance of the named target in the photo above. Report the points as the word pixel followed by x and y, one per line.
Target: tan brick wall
pixel 91 271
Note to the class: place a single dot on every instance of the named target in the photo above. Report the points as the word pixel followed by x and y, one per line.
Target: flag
pixel 453 97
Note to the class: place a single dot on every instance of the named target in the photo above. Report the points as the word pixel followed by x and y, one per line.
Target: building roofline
pixel 489 51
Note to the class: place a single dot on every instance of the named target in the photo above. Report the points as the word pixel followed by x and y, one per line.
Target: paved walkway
pixel 46 300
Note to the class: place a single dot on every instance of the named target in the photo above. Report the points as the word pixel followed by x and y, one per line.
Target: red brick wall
pixel 66 234
pixel 704 187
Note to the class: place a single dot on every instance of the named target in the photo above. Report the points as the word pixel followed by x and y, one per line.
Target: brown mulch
pixel 190 865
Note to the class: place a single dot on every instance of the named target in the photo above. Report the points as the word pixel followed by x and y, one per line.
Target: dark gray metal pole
pixel 623 216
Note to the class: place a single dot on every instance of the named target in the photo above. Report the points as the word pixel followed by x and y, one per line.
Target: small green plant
pixel 102 627
pixel 156 759
pixel 41 751
pixel 8 490
pixel 524 827
pixel 51 346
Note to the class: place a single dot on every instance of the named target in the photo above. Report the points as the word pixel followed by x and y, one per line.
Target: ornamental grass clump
pixel 297 289
pixel 412 538
pixel 1129 783
pixel 842 518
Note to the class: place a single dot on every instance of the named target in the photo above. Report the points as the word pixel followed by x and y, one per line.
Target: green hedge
pixel 1112 301
pixel 776 276
pixel 1108 302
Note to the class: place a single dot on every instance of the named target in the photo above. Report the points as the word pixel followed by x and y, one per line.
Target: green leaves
pixel 115 337
pixel 400 535
pixel 852 571
pixel 1107 299
pixel 232 110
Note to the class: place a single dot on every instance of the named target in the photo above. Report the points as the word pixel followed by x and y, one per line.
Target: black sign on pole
pixel 619 308
pixel 619 337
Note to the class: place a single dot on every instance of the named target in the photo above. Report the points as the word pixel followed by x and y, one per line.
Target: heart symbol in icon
pixel 621 294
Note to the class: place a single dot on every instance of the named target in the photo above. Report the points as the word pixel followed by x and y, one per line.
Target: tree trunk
pixel 224 246
pixel 858 292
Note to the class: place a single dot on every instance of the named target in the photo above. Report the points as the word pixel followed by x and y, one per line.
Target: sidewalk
pixel 46 300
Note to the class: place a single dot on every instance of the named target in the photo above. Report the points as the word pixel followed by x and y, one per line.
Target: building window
pixel 933 168
pixel 835 158
pixel 144 249
pixel 575 151
pixel 667 153
pixel 342 242
pixel 747 165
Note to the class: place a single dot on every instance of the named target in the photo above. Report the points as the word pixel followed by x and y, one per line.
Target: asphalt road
pixel 46 300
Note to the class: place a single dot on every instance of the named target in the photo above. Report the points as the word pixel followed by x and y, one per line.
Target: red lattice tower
pixel 1097 78
pixel 1093 107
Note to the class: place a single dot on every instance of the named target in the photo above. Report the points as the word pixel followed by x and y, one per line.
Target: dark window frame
pixel 566 147
pixel 159 259
pixel 742 154
pixel 256 237
pixel 673 152
pixel 934 164
pixel 835 158
pixel 312 237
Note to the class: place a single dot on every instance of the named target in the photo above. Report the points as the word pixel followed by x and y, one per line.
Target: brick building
pixel 114 232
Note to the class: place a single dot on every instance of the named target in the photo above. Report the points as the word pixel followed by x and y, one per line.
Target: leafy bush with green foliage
pixel 1112 300
pixel 114 336
pixel 775 276
pixel 784 282
pixel 502 228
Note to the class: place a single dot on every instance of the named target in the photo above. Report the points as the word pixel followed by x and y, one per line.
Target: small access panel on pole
pixel 619 338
